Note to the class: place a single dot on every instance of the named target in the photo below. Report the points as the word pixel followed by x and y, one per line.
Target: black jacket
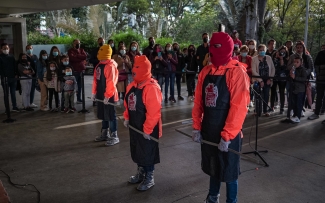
pixel 8 67
pixel 320 65
pixel 201 52
pixel 93 57
pixel 191 63
pixel 300 80
pixel 181 62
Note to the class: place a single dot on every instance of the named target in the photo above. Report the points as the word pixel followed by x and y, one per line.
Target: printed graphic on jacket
pixel 211 95
pixel 132 101
pixel 98 73
pixel 69 82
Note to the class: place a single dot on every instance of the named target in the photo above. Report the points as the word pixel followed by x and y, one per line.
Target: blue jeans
pixel 169 78
pixel 160 79
pixel 148 168
pixel 265 96
pixel 12 84
pixel 112 125
pixel 298 103
pixel 78 78
pixel 32 91
pixel 232 189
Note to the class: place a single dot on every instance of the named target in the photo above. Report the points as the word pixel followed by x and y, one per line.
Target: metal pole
pixel 306 24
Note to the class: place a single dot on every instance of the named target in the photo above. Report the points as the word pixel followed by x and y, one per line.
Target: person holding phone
pixel 158 64
pixel 171 59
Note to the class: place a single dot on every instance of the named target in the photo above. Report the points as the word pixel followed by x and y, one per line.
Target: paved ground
pixel 56 153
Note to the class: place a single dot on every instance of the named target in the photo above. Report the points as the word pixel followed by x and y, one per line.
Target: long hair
pixel 57 58
pixel 136 51
pixel 20 57
pixel 286 50
pixel 49 71
pixel 44 62
pixel 191 45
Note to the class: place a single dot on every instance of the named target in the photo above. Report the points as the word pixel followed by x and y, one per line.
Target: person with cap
pixel 235 38
pixel 104 88
pixel 143 112
pixel 220 107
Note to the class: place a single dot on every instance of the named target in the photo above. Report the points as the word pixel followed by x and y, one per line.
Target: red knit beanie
pixel 221 48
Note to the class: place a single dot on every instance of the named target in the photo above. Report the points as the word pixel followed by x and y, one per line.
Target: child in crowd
pixel 64 63
pixel 69 87
pixel 298 75
pixel 53 84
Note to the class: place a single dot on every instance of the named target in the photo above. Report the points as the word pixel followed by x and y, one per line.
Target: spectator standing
pixel 77 57
pixel 26 73
pixel 171 59
pixel 63 65
pixel 289 45
pixel 41 70
pixel 245 58
pixel 158 64
pixel 55 55
pixel 150 48
pixel 110 42
pixel 70 87
pixel 191 70
pixel 133 51
pixel 235 38
pixel 8 69
pixel 123 66
pixel 53 84
pixel 179 69
pixel 202 50
pixel 252 48
pixel 271 48
pixel 33 60
pixel 93 57
pixel 262 66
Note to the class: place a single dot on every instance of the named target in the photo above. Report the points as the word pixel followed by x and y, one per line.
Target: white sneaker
pixel 33 105
pixel 190 98
pixel 291 113
pixel 295 119
pixel 302 114
pixel 45 109
pixel 251 104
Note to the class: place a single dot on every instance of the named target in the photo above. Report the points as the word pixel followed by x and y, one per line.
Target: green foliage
pixel 127 37
pixel 33 21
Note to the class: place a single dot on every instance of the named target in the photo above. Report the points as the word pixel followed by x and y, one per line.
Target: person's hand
pixel 261 84
pixel 268 82
pixel 126 123
pixel 223 145
pixel 170 56
pixel 156 58
pixel 146 136
pixel 93 97
pixel 106 101
pixel 196 136
pixel 292 75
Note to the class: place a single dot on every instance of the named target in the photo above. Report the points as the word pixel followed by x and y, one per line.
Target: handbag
pixel 122 76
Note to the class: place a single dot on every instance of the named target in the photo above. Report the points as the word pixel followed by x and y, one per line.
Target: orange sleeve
pixel 126 111
pixel 152 98
pixel 238 85
pixel 94 89
pixel 111 75
pixel 197 112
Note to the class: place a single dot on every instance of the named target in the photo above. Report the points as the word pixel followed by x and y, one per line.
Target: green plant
pixel 128 37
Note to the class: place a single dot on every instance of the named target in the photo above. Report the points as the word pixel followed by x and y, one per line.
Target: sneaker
pixel 45 109
pixel 105 136
pixel 79 102
pixel 113 139
pixel 73 110
pixel 15 109
pixel 166 101
pixel 66 110
pixel 190 98
pixel 286 120
pixel 313 117
pixel 302 114
pixel 271 110
pixel 172 99
pixel 180 98
pixel 295 119
pixel 33 105
pixel 29 109
pixel 266 114
pixel 251 104
pixel 281 111
pixel 291 113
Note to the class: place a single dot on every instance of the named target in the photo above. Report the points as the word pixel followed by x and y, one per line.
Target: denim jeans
pixel 32 91
pixel 160 79
pixel 232 189
pixel 298 103
pixel 265 96
pixel 112 125
pixel 12 84
pixel 78 79
pixel 148 168
pixel 169 80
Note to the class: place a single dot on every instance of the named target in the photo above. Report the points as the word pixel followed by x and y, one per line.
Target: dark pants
pixel 265 96
pixel 148 168
pixel 170 81
pixel 178 83
pixel 190 81
pixel 232 189
pixel 297 102
pixel 12 84
pixel 282 86
pixel 78 79
pixel 32 91
pixel 112 125
pixel 56 97
pixel 320 89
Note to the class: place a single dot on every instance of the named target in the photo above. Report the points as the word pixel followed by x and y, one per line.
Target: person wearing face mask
pixel 133 51
pixel 93 57
pixel 263 67
pixel 110 42
pixel 41 69
pixel 143 112
pixel 25 72
pixel 55 55
pixel 179 68
pixel 171 59
pixel 148 50
pixel 63 65
pixel 192 66
pixel 252 48
pixel 246 59
pixel 124 65
pixel 158 64
pixel 8 69
pixel 69 87
pixel 53 84
pixel 202 50
pixel 104 88
pixel 77 57
pixel 33 60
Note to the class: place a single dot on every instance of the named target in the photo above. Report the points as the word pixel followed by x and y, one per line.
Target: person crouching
pixel 143 112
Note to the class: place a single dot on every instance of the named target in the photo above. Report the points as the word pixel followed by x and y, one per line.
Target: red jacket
pixel 238 85
pixel 248 62
pixel 77 59
pixel 151 98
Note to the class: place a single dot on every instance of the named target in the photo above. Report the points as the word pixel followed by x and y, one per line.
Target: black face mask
pixel 101 44
pixel 77 46
pixel 176 48
pixel 205 40
pixel 151 43
pixel 24 61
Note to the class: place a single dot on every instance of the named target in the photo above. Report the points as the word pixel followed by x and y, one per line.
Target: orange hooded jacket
pixel 151 98
pixel 238 85
pixel 111 75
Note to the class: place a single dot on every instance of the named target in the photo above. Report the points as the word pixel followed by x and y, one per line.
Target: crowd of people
pixel 272 70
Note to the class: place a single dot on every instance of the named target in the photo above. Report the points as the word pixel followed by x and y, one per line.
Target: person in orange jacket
pixel 143 112
pixel 220 107
pixel 104 88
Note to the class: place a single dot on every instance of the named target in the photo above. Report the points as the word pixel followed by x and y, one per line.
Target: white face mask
pixel 251 46
pixel 6 51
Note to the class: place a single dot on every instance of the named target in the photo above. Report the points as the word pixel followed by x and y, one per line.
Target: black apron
pixel 143 152
pixel 104 112
pixel 224 166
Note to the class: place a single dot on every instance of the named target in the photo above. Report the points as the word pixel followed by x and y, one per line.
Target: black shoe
pixel 166 101
pixel 172 99
pixel 180 98
pixel 281 111
pixel 147 182
pixel 212 199
pixel 29 109
pixel 15 109
pixel 287 120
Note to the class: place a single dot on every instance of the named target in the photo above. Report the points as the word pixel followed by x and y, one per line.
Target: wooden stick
pixel 142 133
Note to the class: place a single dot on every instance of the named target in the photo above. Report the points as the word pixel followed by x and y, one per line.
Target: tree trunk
pixel 251 19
